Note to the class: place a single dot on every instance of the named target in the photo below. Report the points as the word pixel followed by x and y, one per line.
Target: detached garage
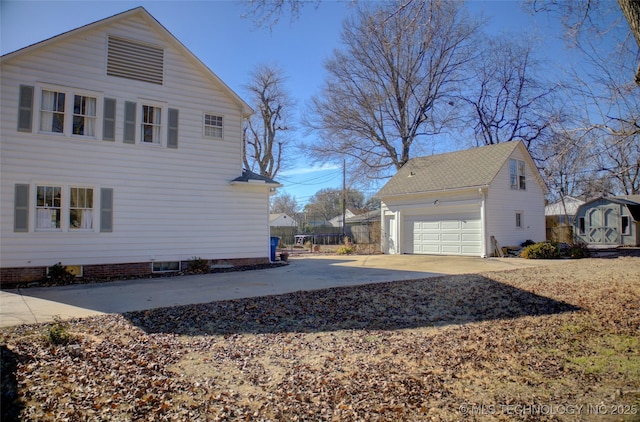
pixel 454 203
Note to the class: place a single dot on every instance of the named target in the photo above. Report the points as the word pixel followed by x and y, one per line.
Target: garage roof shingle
pixel 453 170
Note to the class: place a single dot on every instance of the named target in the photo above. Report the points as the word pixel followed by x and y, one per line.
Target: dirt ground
pixel 548 343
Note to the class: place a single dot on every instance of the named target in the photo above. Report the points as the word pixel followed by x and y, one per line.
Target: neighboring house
pixel 122 155
pixel 563 210
pixel 337 220
pixel 281 220
pixel 454 203
pixel 559 218
pixel 609 221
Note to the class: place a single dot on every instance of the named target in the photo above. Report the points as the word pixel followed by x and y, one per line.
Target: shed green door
pixel 603 225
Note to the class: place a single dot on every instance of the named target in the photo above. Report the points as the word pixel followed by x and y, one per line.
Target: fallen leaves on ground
pixel 496 346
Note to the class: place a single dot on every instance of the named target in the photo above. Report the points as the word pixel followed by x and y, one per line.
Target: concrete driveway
pixel 41 304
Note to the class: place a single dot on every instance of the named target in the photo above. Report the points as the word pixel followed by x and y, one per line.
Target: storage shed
pixel 609 221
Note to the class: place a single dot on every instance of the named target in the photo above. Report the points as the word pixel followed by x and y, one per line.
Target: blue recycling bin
pixel 274 245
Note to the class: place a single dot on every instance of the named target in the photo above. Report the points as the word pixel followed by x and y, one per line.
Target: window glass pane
pixel 625 225
pixel 52 111
pixel 84 113
pixel 521 174
pixel 81 208
pixel 213 126
pixel 48 207
pixel 151 123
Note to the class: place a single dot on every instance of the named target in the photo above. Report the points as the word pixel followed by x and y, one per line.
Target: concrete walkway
pixel 41 304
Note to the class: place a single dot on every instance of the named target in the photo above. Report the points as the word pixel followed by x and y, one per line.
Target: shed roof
pixel 570 205
pixel 473 167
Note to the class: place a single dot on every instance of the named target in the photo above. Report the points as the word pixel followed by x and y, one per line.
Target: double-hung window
pixel 213 126
pixel 48 207
pixel 84 115
pixel 517 174
pixel 519 219
pixel 52 105
pixel 151 124
pixel 81 208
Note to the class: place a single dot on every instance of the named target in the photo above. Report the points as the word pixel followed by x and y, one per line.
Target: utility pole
pixel 344 197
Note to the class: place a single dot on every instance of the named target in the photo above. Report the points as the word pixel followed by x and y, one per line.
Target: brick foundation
pixel 19 275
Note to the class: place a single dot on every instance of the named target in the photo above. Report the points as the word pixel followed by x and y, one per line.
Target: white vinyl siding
pixel 503 202
pixel 169 204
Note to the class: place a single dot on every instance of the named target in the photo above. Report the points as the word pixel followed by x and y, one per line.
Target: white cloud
pixel 306 170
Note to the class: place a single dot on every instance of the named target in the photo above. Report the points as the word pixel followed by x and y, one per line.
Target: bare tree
pixel 393 83
pixel 327 203
pixel 507 98
pixel 610 123
pixel 284 203
pixel 265 132
pixel 267 13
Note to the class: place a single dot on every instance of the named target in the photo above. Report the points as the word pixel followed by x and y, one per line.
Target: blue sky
pixel 230 45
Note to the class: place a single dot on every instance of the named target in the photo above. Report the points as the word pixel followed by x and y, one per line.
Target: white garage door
pixel 451 234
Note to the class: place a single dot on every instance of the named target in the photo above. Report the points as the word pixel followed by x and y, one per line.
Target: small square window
pixel 213 126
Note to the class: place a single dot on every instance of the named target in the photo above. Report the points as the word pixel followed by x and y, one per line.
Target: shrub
pixel 345 250
pixel 197 265
pixel 579 251
pixel 59 274
pixel 57 333
pixel 542 250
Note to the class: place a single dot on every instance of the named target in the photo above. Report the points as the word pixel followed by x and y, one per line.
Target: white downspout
pixel 483 221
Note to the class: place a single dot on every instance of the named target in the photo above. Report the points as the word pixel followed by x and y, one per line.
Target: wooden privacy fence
pixel 328 235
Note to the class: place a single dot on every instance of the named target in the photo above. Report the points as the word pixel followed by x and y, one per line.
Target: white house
pixel 282 220
pixel 122 155
pixel 563 210
pixel 337 220
pixel 454 203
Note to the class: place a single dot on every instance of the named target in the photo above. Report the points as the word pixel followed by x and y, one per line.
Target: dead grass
pixel 547 343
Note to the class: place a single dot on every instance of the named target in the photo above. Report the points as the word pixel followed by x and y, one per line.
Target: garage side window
pixel 517 174
pixel 519 219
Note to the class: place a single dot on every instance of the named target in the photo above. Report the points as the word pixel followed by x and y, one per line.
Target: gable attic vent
pixel 134 60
